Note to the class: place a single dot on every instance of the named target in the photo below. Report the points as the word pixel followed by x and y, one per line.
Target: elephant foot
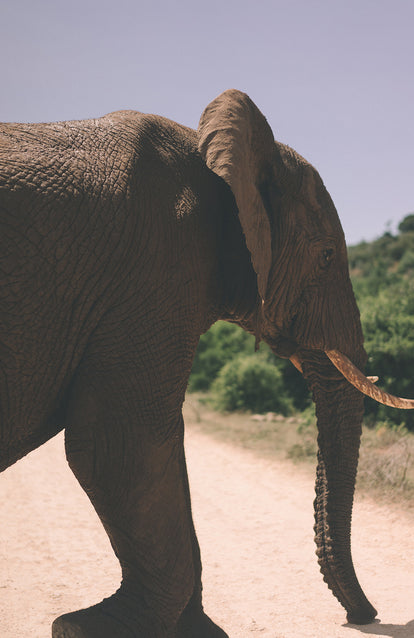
pixel 108 619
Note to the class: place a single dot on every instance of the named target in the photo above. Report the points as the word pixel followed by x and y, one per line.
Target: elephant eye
pixel 327 256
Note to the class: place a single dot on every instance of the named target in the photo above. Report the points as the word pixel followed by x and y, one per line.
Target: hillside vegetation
pixel 382 273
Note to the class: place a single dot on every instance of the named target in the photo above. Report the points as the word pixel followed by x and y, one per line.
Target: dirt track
pixel 254 520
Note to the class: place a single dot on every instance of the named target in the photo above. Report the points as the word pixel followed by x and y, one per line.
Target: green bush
pixel 225 342
pixel 222 343
pixel 251 383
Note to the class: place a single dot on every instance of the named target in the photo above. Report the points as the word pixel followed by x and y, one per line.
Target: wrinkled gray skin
pixel 122 240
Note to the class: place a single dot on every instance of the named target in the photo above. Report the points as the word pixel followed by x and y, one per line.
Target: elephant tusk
pixel 363 383
pixel 296 362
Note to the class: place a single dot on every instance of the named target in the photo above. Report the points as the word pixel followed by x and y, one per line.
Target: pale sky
pixel 334 78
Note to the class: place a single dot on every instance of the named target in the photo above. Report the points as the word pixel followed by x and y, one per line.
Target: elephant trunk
pixel 339 410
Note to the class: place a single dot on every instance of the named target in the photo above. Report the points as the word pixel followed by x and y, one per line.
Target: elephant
pixel 123 239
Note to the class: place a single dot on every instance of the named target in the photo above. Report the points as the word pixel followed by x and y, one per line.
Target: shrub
pixel 250 383
pixel 222 343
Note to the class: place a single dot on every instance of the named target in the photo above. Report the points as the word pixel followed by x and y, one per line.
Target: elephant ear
pixel 237 143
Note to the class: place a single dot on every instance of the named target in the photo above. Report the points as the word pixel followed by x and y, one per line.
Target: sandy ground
pixel 254 519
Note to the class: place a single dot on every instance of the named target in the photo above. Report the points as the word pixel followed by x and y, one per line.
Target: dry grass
pixel 386 466
pixel 387 462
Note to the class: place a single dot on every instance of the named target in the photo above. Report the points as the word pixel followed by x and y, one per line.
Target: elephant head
pixel 305 307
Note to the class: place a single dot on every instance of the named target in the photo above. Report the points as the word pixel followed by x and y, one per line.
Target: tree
pixel 407 224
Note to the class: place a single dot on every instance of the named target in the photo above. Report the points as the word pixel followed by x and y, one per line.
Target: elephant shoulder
pixel 150 136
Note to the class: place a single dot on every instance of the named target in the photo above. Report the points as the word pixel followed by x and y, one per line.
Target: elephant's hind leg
pixel 137 486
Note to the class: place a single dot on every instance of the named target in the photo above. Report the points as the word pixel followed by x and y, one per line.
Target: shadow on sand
pixel 393 631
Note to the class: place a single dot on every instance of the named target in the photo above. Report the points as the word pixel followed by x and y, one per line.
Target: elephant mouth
pixel 283 347
pixel 364 384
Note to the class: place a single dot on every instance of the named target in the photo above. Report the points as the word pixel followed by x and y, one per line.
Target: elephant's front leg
pixel 136 480
pixel 193 622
